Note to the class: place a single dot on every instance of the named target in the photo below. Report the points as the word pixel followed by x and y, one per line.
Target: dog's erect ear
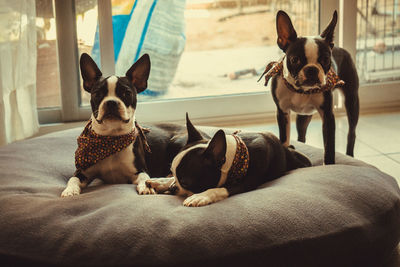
pixel 327 34
pixel 217 148
pixel 193 134
pixel 89 71
pixel 285 30
pixel 139 73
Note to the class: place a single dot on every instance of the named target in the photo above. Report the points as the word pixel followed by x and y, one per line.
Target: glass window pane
pixel 199 47
pixel 47 74
pixel 378 40
pixel 210 48
pixel 87 35
pixel 229 44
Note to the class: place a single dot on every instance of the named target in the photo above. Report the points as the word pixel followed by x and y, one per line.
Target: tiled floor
pixel 377 142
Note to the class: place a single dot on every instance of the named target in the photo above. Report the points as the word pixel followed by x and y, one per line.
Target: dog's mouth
pixel 308 83
pixel 112 116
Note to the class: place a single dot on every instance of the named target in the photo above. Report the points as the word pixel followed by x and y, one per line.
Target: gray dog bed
pixel 346 214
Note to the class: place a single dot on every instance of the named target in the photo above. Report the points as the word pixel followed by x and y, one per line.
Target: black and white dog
pixel 306 70
pixel 208 171
pixel 112 146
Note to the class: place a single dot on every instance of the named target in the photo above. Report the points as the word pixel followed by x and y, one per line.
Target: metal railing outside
pixel 378 40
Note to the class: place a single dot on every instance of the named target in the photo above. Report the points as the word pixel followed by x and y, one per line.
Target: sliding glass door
pixel 206 55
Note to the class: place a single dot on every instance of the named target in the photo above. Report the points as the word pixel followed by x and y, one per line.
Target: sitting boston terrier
pixel 303 82
pixel 112 146
pixel 208 171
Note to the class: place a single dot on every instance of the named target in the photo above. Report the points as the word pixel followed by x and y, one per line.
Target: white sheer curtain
pixel 18 115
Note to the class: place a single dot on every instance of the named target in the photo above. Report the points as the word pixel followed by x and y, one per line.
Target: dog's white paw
pixel 160 185
pixel 197 200
pixel 142 189
pixel 207 197
pixel 71 191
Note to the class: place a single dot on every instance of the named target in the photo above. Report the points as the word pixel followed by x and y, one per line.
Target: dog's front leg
pixel 161 185
pixel 328 128
pixel 140 181
pixel 284 126
pixel 75 184
pixel 217 194
pixel 207 197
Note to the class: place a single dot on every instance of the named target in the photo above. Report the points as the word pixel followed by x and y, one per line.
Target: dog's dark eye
pixel 294 60
pixel 98 96
pixel 325 60
pixel 128 93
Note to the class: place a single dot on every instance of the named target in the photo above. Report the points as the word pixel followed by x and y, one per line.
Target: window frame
pixel 212 110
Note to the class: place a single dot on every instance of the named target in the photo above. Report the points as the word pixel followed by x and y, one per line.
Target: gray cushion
pixel 343 214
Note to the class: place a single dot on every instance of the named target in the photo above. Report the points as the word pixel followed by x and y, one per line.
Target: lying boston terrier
pixel 208 171
pixel 112 145
pixel 303 82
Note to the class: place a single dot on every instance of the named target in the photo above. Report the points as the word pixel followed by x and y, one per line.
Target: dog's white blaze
pixel 311 50
pixel 231 147
pixel 112 84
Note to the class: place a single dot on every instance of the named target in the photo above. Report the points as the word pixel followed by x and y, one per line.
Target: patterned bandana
pixel 93 147
pixel 240 162
pixel 275 68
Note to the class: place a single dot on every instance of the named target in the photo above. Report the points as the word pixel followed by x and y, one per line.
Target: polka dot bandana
pixel 240 162
pixel 93 147
pixel 276 67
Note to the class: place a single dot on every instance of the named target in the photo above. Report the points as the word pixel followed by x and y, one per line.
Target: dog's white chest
pixel 299 103
pixel 115 169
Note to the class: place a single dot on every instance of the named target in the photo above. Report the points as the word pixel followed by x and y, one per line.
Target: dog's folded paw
pixel 160 185
pixel 207 197
pixel 71 191
pixel 142 189
pixel 197 200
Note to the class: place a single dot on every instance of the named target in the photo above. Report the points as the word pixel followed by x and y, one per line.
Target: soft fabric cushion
pixel 346 214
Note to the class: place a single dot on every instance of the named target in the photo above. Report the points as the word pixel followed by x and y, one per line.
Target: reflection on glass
pixel 86 28
pixel 197 47
pixel 47 74
pixel 378 40
pixel 229 44
pixel 200 47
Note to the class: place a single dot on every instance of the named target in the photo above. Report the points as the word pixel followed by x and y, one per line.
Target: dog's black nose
pixel 112 104
pixel 311 73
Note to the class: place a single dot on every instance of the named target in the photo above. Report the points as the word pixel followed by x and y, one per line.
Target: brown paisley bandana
pixel 240 162
pixel 276 67
pixel 93 147
pixel 142 132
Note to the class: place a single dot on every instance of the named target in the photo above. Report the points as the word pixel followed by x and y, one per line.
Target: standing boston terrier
pixel 112 145
pixel 208 171
pixel 303 82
